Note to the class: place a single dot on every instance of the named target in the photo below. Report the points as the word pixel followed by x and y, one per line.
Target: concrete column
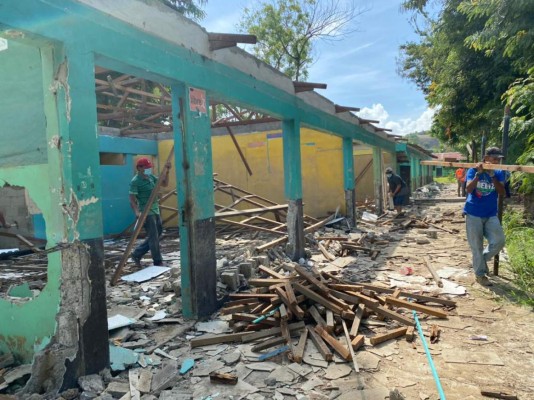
pixel 413 173
pixel 394 164
pixel 293 188
pixel 194 178
pixel 79 346
pixel 348 181
pixel 378 174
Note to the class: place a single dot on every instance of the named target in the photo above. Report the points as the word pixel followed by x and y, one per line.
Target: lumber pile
pixel 301 302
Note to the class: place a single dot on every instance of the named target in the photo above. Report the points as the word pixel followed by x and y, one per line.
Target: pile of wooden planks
pixel 300 301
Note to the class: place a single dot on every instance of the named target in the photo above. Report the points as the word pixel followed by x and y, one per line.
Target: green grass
pixel 445 179
pixel 520 246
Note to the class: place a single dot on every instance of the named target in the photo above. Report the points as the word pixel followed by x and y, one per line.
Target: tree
pixel 286 30
pixel 189 8
pixel 467 59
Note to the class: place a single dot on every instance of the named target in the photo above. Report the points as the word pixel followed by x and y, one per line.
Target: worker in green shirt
pixel 141 187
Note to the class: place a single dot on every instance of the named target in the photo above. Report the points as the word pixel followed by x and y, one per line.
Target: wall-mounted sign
pixel 3 44
pixel 197 100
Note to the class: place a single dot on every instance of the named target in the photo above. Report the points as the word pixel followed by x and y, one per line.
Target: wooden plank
pixel 250 211
pixel 319 320
pixel 320 344
pixel 357 320
pixel 369 302
pixel 326 253
pixel 216 339
pixel 318 298
pixel 141 219
pixel 393 315
pixel 234 309
pixel 344 287
pixel 252 317
pixel 258 296
pixel 227 379
pixel 487 166
pixel 329 321
pixel 249 337
pixel 334 343
pixel 349 345
pixel 357 342
pixel 298 351
pixel 433 272
pixel 416 307
pixel 387 336
pixel 410 333
pixel 347 297
pixel 283 312
pixel 290 294
pixel 294 309
pixel 311 279
pixel 446 302
pixel 308 229
pixel 272 273
pixel 266 282
pixel 267 344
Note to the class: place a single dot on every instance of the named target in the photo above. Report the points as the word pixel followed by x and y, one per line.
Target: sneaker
pixel 483 280
pixel 137 261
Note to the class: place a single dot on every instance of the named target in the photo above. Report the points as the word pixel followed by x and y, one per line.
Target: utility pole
pixel 504 149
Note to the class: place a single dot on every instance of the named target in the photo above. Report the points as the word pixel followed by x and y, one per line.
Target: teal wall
pixel 116 209
pixel 21 105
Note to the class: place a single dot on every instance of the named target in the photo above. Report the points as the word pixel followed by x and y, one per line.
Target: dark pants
pixel 153 230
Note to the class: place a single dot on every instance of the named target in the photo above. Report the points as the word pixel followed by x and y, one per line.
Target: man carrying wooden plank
pixel 141 187
pixel 481 213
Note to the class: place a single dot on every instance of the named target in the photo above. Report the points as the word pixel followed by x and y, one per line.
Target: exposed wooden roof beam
pixel 368 121
pixel 340 109
pixel 223 40
pixel 131 113
pixel 307 86
pixel 245 122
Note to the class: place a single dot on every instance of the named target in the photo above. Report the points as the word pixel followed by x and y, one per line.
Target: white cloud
pixel 401 127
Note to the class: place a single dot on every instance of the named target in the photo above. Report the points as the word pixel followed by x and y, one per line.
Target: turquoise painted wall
pixel 116 179
pixel 21 105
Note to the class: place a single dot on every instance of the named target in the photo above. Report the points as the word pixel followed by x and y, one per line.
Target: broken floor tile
pixel 91 383
pixel 336 371
pixel 121 358
pixel 375 394
pixel 207 367
pixel 367 360
pixel 145 274
pixel 311 384
pixel 299 369
pixel 241 390
pixel 119 321
pixel 231 358
pixel 283 374
pixel 263 366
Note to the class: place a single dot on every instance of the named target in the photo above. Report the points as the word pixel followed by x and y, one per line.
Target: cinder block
pixel 231 279
pixel 246 268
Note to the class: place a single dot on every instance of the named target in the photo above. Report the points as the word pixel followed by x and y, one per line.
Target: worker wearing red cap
pixel 141 187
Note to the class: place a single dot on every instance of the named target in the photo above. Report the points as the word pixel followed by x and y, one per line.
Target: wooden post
pixel 504 149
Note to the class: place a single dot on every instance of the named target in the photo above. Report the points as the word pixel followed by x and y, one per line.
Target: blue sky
pixel 360 69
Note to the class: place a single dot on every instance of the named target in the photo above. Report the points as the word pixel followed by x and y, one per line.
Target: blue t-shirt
pixel 482 202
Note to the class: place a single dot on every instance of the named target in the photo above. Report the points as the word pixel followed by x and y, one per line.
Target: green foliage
pixel 286 30
pixel 189 8
pixel 473 58
pixel 520 248
pixel 283 39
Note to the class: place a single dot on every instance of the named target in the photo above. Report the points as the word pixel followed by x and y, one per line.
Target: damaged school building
pixel 87 87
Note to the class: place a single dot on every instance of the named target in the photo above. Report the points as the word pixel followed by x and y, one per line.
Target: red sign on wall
pixel 197 100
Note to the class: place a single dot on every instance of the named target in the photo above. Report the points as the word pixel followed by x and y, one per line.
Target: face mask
pixel 148 171
pixel 389 175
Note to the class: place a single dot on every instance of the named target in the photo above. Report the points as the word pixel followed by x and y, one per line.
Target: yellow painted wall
pixel 322 169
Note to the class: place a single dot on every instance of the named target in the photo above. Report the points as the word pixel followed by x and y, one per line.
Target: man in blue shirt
pixel 480 208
